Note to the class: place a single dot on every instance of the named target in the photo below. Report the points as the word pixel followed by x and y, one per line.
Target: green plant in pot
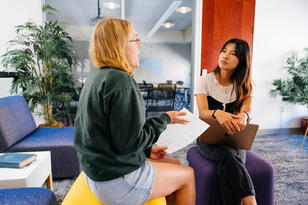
pixel 294 89
pixel 42 58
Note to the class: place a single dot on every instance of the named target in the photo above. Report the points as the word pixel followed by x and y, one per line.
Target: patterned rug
pixel 291 166
pixel 282 151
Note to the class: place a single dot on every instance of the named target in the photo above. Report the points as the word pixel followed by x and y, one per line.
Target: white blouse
pixel 209 85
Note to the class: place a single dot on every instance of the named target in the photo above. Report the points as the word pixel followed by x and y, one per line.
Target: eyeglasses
pixel 137 40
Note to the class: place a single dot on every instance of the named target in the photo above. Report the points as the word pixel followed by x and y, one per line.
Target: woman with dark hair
pixel 225 95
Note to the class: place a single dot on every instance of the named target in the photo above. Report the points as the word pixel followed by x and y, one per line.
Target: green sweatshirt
pixel 111 133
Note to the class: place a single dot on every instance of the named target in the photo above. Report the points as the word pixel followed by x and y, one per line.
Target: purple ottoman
pixel 207 186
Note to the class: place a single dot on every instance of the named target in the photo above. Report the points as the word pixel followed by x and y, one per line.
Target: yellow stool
pixel 80 194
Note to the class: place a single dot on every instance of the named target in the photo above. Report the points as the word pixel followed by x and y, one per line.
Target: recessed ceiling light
pixel 111 5
pixel 183 9
pixel 168 24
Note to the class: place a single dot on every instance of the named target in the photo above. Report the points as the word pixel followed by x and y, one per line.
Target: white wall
pixel 16 12
pixel 13 13
pixel 164 61
pixel 281 27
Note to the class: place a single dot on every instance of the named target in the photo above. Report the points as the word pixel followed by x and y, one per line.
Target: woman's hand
pixel 242 120
pixel 158 152
pixel 228 121
pixel 175 117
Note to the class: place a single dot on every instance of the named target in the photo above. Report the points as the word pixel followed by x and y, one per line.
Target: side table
pixel 32 175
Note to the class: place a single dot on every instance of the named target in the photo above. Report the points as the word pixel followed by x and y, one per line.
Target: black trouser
pixel 234 180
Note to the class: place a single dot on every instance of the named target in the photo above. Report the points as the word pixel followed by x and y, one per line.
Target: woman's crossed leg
pixel 174 180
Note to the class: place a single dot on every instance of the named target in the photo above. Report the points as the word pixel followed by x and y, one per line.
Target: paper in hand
pixel 177 136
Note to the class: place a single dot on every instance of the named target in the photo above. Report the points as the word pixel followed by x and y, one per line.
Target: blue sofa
pixel 18 133
pixel 27 196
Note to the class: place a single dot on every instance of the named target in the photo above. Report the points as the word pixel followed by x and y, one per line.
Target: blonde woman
pixel 113 139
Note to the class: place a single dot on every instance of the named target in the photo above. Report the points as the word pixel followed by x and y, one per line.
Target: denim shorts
pixel 131 189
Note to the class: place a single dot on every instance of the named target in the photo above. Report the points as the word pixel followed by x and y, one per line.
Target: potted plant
pixel 294 89
pixel 42 58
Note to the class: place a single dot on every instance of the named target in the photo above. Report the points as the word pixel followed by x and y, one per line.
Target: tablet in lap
pixel 216 134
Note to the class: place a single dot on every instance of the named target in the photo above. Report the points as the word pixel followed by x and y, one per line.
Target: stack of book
pixel 16 160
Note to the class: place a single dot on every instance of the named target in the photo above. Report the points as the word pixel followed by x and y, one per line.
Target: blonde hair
pixel 107 46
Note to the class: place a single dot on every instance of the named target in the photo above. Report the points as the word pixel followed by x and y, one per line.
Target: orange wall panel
pixel 221 21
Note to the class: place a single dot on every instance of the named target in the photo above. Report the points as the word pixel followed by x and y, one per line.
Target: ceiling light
pixel 111 5
pixel 183 9
pixel 168 25
pixel 164 17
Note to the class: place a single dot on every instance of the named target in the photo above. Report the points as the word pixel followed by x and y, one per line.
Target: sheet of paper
pixel 177 136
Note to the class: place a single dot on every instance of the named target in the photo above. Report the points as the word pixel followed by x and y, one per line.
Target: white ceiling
pixel 142 13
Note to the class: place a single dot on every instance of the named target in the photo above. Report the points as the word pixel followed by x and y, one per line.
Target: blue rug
pixel 291 166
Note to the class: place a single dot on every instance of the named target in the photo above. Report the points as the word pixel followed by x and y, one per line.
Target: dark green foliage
pixel 42 57
pixel 295 88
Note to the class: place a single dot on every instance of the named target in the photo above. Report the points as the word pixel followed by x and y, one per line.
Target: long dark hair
pixel 241 77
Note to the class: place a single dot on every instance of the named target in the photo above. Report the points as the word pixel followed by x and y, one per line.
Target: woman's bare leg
pixel 176 178
pixel 171 198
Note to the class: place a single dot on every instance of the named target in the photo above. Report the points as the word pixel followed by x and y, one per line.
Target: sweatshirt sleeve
pixel 129 130
pixel 148 151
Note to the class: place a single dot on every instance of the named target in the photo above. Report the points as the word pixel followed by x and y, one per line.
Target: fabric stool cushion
pixel 80 194
pixel 16 121
pixel 27 196
pixel 207 186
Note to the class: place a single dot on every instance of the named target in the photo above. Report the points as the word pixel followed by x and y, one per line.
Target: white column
pixel 195 50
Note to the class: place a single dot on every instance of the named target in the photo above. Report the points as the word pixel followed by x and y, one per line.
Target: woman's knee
pixel 185 176
pixel 189 174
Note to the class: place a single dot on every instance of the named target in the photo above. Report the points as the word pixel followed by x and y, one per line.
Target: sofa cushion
pixel 16 121
pixel 60 142
pixel 27 196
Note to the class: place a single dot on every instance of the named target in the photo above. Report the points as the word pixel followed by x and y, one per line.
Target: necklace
pixel 226 90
